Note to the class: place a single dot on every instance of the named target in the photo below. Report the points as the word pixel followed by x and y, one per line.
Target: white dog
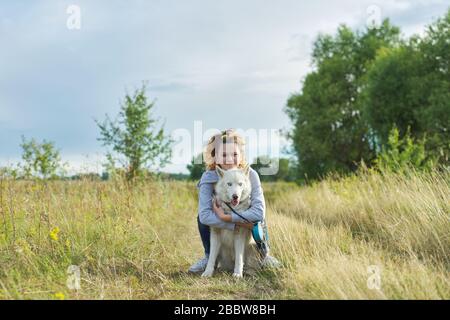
pixel 227 246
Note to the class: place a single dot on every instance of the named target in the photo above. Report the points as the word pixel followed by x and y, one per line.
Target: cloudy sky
pixel 226 64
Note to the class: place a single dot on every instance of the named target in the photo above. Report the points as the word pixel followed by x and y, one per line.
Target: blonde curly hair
pixel 226 136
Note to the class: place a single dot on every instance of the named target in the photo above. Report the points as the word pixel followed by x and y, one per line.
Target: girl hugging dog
pixel 226 150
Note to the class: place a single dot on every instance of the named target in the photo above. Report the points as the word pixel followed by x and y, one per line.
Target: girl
pixel 227 151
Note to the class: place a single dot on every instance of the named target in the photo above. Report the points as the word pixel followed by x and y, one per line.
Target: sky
pixel 207 64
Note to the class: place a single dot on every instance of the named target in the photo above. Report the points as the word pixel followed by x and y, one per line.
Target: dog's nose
pixel 235 197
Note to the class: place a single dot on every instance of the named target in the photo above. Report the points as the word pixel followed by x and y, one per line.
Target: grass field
pixel 138 243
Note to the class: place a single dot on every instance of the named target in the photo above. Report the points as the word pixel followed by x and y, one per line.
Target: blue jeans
pixel 205 235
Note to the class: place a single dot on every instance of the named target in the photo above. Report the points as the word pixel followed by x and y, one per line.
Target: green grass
pixel 138 243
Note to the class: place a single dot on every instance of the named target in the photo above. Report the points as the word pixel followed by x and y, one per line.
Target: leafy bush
pixel 41 160
pixel 402 153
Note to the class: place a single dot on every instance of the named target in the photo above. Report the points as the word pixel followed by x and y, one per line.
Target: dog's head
pixel 233 185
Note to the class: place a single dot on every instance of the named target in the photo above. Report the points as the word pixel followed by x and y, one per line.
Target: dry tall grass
pixel 138 243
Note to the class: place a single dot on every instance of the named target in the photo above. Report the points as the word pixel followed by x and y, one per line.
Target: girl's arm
pixel 205 210
pixel 257 208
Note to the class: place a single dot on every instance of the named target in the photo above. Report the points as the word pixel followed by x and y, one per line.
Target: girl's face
pixel 228 156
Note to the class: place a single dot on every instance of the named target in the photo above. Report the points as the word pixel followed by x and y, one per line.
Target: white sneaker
pixel 270 262
pixel 200 265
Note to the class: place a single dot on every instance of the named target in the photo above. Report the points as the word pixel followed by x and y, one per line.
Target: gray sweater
pixel 256 212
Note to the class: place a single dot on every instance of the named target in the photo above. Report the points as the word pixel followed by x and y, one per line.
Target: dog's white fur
pixel 236 246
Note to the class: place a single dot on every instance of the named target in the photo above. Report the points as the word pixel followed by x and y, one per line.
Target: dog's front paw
pixel 237 275
pixel 207 273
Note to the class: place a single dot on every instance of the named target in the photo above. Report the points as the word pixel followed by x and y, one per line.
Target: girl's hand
pixel 219 212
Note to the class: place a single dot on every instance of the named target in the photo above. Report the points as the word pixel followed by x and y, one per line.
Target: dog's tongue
pixel 234 202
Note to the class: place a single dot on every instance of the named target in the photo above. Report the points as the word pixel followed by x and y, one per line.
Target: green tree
pixel 134 138
pixel 329 133
pixel 434 116
pixel 409 87
pixel 196 167
pixel 385 96
pixel 41 159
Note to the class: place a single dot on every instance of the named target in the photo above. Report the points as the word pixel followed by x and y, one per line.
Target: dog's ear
pixel 247 169
pixel 219 171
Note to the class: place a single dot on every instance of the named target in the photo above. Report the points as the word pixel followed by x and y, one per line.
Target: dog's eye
pixel 229 183
pixel 240 184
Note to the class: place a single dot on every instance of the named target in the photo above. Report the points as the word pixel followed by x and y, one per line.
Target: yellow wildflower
pixel 59 296
pixel 54 234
